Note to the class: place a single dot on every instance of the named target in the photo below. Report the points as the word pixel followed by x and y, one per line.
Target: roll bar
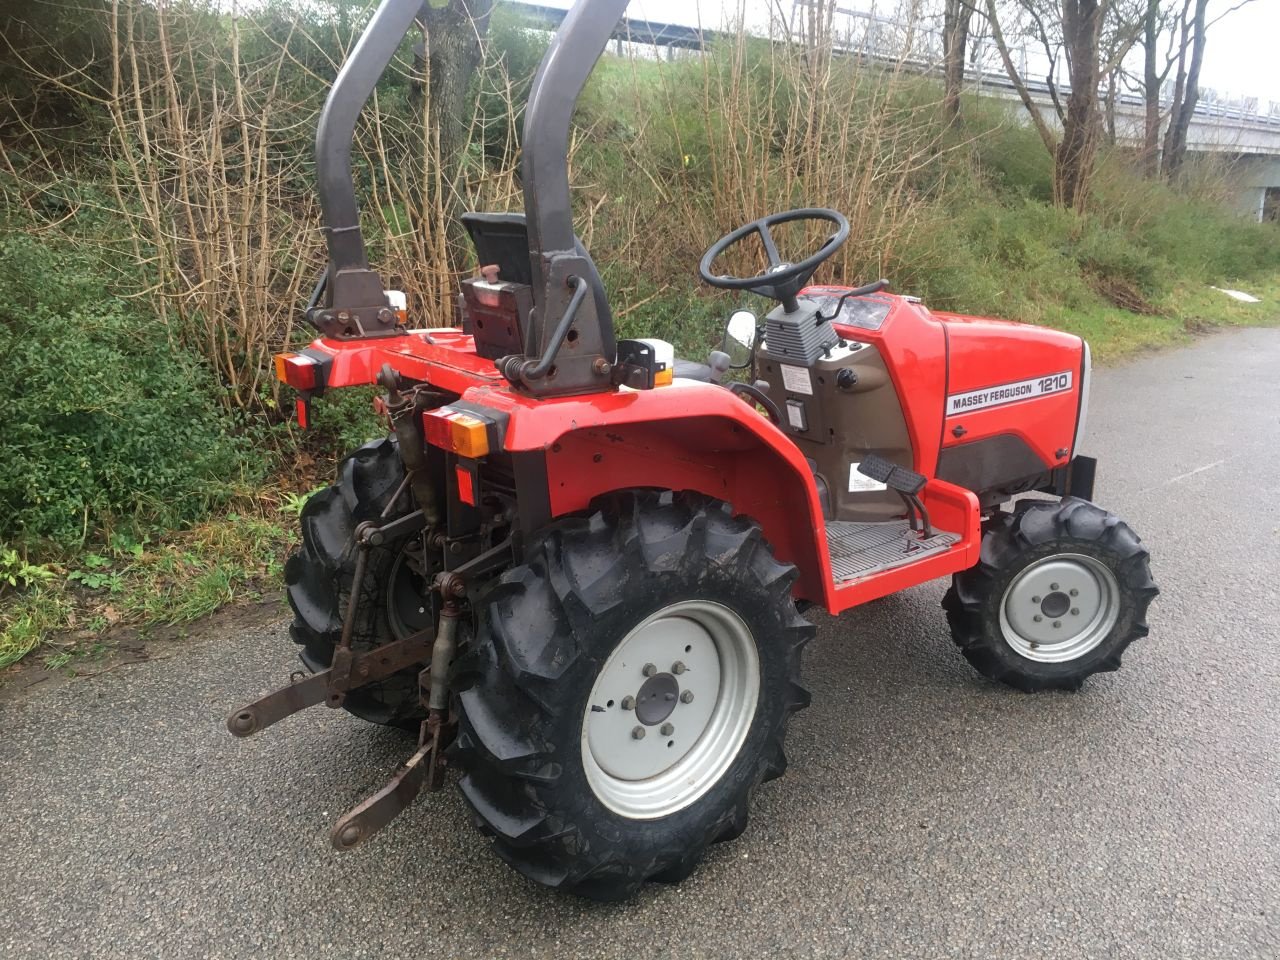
pixel 350 301
pixel 569 60
pixel 353 301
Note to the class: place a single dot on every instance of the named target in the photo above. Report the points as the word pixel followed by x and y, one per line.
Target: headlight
pixel 1086 376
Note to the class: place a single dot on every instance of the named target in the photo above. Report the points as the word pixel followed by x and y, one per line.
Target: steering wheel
pixel 782 280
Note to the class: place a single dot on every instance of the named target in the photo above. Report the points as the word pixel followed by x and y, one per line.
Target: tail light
pixel 398 302
pixel 461 432
pixel 307 373
pixel 298 371
pixel 466 484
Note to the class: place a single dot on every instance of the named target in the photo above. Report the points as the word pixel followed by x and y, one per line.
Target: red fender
pixel 688 436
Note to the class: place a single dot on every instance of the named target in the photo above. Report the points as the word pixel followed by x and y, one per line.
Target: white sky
pixel 1242 57
pixel 1241 53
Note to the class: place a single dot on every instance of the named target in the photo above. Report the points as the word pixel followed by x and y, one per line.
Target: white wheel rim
pixel 1060 608
pixel 695 709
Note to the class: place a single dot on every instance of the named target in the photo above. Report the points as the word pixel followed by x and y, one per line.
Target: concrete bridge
pixel 1248 139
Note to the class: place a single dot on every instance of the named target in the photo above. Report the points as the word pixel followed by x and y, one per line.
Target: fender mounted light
pixel 298 371
pixel 457 430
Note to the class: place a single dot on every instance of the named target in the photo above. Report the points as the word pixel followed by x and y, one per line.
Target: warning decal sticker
pixel 1008 393
pixel 796 380
pixel 861 483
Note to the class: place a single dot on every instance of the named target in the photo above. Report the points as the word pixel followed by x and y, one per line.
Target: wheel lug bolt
pixel 666 729
pixel 677 668
pixel 1037 618
pixel 637 733
pixel 686 697
pixel 1035 599
pixel 628 703
pixel 649 670
pixel 1057 623
pixel 1075 611
pixel 1074 592
pixel 1053 586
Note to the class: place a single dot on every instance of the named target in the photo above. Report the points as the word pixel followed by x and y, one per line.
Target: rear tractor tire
pixel 629 687
pixel 1061 590
pixel 396 601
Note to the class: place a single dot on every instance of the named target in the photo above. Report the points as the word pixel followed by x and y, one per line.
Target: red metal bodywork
pixel 699 436
pixel 985 352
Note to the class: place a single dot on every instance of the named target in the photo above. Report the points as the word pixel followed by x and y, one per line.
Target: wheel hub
pixel 409 606
pixel 1055 604
pixel 1059 608
pixel 656 699
pixel 654 740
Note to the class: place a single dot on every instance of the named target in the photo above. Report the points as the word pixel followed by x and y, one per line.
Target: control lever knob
pixel 846 378
pixel 719 363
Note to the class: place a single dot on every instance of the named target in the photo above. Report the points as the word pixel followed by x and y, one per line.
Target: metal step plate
pixel 860 549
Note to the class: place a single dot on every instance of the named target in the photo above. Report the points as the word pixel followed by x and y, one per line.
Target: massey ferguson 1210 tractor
pixel 575 567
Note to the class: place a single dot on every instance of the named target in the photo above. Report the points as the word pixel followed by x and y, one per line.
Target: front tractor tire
pixel 395 600
pixel 1060 591
pixel 629 686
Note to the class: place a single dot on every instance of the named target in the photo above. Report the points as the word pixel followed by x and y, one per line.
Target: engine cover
pixel 990 405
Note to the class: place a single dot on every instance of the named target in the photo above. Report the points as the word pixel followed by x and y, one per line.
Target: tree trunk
pixel 955 42
pixel 1109 114
pixel 1150 156
pixel 1033 110
pixel 1073 161
pixel 1179 83
pixel 1180 123
pixel 452 34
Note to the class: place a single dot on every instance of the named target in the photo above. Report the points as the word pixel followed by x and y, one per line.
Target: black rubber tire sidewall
pixel 319 574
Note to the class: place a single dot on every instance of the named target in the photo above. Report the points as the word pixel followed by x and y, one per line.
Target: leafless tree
pixel 1193 29
pixel 1174 33
pixel 1153 21
pixel 1121 32
pixel 447 61
pixel 1078 24
pixel 957 15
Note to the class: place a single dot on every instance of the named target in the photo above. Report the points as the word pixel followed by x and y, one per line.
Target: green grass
pixel 73 611
pixel 1187 311
pixel 30 619
pixel 1202 305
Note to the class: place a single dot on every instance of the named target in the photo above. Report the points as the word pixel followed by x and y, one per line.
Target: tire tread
pixel 575 572
pixel 1034 526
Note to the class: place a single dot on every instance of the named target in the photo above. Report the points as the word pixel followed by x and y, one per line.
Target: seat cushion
pixel 692 370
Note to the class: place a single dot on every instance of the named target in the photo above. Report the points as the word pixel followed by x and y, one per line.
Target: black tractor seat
pixel 692 370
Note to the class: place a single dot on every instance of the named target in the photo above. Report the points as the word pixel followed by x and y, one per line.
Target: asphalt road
pixel 926 812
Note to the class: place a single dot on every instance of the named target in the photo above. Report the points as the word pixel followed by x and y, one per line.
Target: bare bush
pixel 208 116
pixel 208 119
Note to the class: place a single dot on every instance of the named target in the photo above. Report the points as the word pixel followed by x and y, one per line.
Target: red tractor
pixel 576 567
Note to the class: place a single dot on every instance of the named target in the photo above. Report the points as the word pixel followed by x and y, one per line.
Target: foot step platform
pixel 860 549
